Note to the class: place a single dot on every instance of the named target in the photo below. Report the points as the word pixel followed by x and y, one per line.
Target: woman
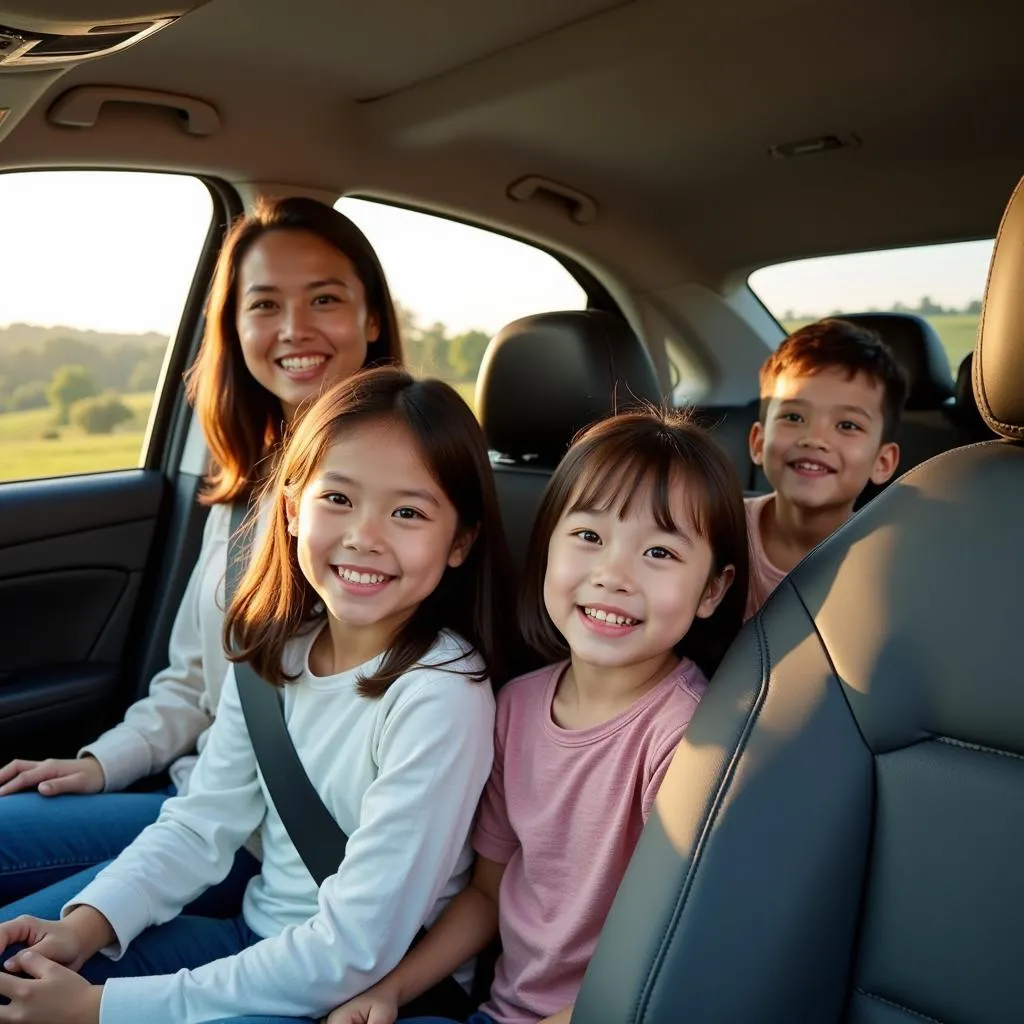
pixel 298 301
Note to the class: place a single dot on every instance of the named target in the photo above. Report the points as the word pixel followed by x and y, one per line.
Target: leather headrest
pixel 546 377
pixel 999 353
pixel 964 384
pixel 916 347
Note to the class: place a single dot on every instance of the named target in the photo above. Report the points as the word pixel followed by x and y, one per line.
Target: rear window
pixel 943 284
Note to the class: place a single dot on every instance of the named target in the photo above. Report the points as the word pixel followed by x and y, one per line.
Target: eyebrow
pixel 839 408
pixel 680 534
pixel 340 478
pixel 312 286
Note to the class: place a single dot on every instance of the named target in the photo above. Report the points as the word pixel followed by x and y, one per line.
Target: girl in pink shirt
pixel 635 584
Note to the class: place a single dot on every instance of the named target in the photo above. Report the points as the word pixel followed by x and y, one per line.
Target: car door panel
pixel 72 556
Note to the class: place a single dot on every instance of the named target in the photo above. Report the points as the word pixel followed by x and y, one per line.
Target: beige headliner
pixel 662 111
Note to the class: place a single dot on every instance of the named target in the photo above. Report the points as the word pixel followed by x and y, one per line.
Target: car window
pixel 943 284
pixel 96 267
pixel 457 285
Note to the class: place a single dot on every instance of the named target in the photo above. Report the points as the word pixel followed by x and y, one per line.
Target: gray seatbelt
pixel 318 838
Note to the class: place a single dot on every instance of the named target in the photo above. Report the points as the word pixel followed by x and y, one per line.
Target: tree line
pixel 35 362
pixel 925 307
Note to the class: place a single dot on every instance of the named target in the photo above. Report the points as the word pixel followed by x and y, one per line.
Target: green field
pixel 25 454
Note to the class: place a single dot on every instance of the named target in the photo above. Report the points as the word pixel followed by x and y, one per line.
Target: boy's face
pixel 821 441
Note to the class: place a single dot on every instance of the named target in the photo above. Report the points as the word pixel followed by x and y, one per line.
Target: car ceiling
pixel 663 112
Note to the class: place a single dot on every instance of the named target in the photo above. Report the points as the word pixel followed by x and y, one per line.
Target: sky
pixel 116 253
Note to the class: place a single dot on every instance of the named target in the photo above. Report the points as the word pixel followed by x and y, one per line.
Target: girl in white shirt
pixel 298 301
pixel 374 601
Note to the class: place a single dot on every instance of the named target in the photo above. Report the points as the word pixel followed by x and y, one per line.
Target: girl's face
pixel 302 317
pixel 375 535
pixel 621 590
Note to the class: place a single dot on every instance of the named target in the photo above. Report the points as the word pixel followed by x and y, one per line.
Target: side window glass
pixel 96 267
pixel 942 284
pixel 457 285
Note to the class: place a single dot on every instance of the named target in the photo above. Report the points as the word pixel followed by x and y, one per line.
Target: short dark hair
pixel 241 420
pixel 275 601
pixel 647 451
pixel 839 344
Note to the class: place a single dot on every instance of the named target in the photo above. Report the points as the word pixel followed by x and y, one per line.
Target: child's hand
pixel 374 1006
pixel 52 776
pixel 50 995
pixel 69 942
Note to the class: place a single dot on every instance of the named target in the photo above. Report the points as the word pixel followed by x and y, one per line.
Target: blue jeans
pixel 476 1018
pixel 45 839
pixel 51 848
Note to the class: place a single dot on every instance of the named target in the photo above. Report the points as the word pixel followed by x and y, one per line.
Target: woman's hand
pixel 52 776
pixel 374 1006
pixel 51 994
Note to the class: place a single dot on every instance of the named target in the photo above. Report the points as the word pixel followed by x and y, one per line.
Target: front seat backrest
pixel 543 379
pixel 840 835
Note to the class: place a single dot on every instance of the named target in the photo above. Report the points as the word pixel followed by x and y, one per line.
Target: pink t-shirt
pixel 563 810
pixel 764 576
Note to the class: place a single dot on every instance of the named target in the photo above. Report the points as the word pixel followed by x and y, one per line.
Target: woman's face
pixel 302 316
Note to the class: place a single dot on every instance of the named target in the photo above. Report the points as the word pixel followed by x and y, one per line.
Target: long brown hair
pixel 647 452
pixel 275 602
pixel 241 420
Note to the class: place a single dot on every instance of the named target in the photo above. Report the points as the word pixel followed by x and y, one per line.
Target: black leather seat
pixel 543 379
pixel 969 420
pixel 840 837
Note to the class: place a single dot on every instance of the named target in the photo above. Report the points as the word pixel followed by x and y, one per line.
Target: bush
pixel 100 415
pixel 32 395
pixel 70 384
pixel 146 374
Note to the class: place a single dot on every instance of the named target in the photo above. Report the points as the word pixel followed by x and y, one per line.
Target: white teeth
pixel 815 467
pixel 360 577
pixel 602 616
pixel 302 362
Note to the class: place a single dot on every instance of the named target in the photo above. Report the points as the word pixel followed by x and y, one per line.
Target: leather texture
pixel 840 834
pixel 917 348
pixel 545 377
pixel 999 358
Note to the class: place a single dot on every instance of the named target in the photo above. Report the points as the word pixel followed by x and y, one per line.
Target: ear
pixel 461 546
pixel 372 327
pixel 716 589
pixel 886 461
pixel 756 443
pixel 291 511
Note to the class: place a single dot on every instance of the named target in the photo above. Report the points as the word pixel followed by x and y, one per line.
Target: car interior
pixel 851 850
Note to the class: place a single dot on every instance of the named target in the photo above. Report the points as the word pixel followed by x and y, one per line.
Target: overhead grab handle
pixel 80 107
pixel 581 208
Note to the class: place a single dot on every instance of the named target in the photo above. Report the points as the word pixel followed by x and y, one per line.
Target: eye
pixel 660 553
pixel 849 427
pixel 337 498
pixel 407 513
pixel 326 300
pixel 262 305
pixel 587 536
pixel 790 417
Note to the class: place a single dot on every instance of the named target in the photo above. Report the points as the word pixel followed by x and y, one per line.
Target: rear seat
pixel 543 379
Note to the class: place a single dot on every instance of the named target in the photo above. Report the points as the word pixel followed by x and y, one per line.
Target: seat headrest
pixel 964 385
pixel 917 348
pixel 999 353
pixel 546 377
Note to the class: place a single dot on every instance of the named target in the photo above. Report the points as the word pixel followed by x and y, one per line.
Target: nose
pixel 363 533
pixel 295 322
pixel 610 571
pixel 814 437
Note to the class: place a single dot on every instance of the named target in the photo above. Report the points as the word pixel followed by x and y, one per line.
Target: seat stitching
pixel 898 1006
pixel 978 747
pixel 644 995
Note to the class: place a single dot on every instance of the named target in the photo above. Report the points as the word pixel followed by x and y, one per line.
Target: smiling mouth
pixel 362 579
pixel 296 364
pixel 608 618
pixel 810 466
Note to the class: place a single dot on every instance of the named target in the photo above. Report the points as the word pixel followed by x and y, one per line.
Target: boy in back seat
pixel 831 399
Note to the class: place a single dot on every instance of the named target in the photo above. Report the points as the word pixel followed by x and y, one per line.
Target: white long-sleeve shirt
pixel 401 775
pixel 168 727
